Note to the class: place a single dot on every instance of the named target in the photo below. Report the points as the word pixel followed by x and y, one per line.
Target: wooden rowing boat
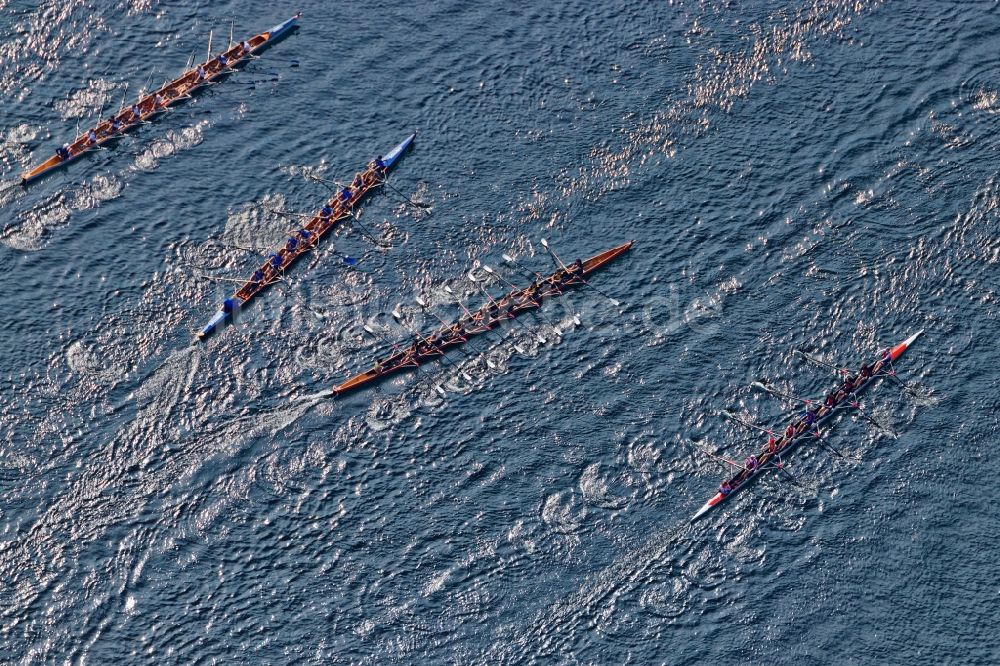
pixel 158 101
pixel 754 465
pixel 321 224
pixel 493 312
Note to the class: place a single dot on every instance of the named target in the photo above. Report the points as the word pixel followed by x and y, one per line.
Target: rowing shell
pixel 743 478
pixel 490 314
pixel 171 93
pixel 318 227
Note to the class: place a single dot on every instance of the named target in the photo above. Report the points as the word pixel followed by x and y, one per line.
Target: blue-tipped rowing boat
pixel 337 209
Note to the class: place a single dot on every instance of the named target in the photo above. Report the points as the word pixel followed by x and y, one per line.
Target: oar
pixel 427 207
pixel 829 447
pixel 100 112
pixel 781 394
pixel 209 56
pixel 538 307
pixel 365 232
pixel 745 423
pixel 124 93
pixel 723 459
pixel 856 404
pixel 830 366
pixel 614 301
pixel 780 466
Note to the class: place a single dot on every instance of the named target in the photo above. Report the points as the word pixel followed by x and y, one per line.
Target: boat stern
pixel 898 350
pixel 229 307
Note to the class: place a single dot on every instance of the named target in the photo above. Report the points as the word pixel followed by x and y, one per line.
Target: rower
pixel 830 401
pixel 136 112
pixel 92 137
pixel 725 488
pixel 305 235
pixel 326 212
pixel 116 125
pixel 577 268
pixel 810 417
pixel 275 260
pixel 772 444
pixel 790 432
pixel 750 463
pixel 223 62
pixel 529 292
pixel 246 47
pixel 292 243
pixel 258 276
pixel 346 194
pixel 200 73
pixel 866 372
pixel 357 182
pixel 158 101
pixel 378 164
pixel 63 151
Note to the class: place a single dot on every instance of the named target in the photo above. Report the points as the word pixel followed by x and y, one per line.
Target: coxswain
pixel 750 463
pixel 346 194
pixel 725 488
pixel 200 72
pixel 136 112
pixel 63 151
